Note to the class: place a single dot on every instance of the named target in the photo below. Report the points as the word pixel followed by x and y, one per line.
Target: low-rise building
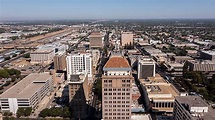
pixel 207 55
pixel 42 56
pixel 192 108
pixel 26 93
pixel 158 94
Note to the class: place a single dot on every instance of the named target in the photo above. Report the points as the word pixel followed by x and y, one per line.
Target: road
pixel 13 59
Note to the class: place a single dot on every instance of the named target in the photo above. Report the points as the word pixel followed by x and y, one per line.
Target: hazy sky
pixel 105 9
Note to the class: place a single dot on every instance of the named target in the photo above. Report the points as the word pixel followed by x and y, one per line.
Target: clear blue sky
pixel 105 9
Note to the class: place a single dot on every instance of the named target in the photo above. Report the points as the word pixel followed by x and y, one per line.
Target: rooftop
pixel 95 34
pixel 117 62
pixel 211 52
pixel 27 86
pixel 192 101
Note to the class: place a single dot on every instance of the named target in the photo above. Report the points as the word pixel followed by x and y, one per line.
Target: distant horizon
pixel 28 10
pixel 107 19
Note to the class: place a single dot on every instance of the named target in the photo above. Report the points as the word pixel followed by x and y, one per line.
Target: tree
pixel 25 111
pixel 7 58
pixel 27 55
pixel 3 73
pixel 66 112
pixel 98 88
pixel 14 55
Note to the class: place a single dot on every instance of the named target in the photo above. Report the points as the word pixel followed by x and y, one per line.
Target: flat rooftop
pixel 192 101
pixel 196 101
pixel 27 86
pixel 156 79
pixel 211 52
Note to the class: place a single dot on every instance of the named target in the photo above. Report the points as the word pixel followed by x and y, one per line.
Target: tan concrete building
pixel 96 40
pixel 60 61
pixel 78 95
pixel 159 95
pixel 126 38
pixel 27 93
pixel 116 89
pixel 42 56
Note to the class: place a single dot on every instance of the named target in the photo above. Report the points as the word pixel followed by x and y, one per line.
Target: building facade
pixel 26 93
pixel 116 89
pixel 79 64
pixel 126 38
pixel 42 56
pixel 60 61
pixel 78 95
pixel 96 40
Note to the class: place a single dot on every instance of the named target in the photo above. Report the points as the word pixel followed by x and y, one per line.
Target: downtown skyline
pixel 105 9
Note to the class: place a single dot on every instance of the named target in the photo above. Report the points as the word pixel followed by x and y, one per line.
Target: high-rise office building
pixel 116 89
pixel 126 38
pixel 79 64
pixel 60 61
pixel 96 40
pixel 78 95
pixel 146 68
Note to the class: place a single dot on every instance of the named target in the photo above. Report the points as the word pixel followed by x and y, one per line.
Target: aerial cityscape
pixel 107 60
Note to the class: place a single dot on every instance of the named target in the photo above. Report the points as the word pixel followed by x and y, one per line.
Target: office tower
pixel 79 64
pixel 27 93
pixel 116 89
pixel 96 40
pixel 126 38
pixel 60 61
pixel 192 108
pixel 78 95
pixel 146 68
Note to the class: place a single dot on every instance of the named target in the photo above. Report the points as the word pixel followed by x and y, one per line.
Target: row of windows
pixel 117 106
pixel 123 110
pixel 110 98
pixel 116 113
pixel 117 118
pixel 116 101
pixel 110 81
pixel 119 89
pixel 117 93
